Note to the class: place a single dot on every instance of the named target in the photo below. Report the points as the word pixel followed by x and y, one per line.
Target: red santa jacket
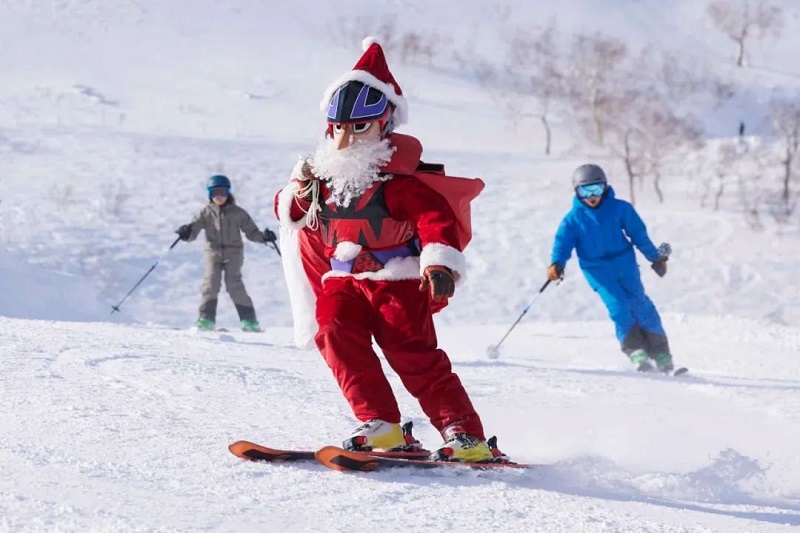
pixel 419 214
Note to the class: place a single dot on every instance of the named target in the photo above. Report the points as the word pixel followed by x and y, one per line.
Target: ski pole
pixel 493 351
pixel 116 307
pixel 271 238
pixel 274 245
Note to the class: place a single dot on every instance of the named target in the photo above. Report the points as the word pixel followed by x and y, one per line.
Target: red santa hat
pixel 372 70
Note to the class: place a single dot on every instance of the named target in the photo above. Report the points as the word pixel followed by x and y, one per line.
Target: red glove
pixel 441 281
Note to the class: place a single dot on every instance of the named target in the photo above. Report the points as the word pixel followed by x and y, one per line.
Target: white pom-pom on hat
pixel 369 41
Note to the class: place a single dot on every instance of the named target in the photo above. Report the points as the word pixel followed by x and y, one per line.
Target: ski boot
pixel 467 449
pixel 641 361
pixel 664 362
pixel 499 457
pixel 379 435
pixel 250 325
pixel 205 324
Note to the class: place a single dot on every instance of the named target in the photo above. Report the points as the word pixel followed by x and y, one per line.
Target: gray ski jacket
pixel 224 226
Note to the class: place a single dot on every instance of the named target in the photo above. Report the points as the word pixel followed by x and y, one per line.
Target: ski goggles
pixel 595 189
pixel 219 192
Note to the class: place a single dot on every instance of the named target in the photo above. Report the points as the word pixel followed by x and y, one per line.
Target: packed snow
pixel 113 114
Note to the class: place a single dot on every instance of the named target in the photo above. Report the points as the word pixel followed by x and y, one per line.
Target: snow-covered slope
pixel 124 428
pixel 112 115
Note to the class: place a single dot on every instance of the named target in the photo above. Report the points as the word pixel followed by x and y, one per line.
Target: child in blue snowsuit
pixel 603 230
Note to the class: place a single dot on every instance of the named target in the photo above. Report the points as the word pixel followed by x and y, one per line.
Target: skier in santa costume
pixel 382 251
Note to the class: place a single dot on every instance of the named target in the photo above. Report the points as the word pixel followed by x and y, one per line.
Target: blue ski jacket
pixel 603 237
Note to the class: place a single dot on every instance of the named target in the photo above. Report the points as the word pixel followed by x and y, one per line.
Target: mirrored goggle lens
pixel 597 189
pixel 220 193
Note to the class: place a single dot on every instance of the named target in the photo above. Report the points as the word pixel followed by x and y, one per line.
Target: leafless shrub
pixel 740 20
pixel 679 79
pixel 493 79
pixel 593 77
pixel 623 136
pixel 666 136
pixel 534 72
pixel 751 169
pixel 727 158
pixel 527 81
pixel 407 46
pixel 645 129
pixel 786 123
pixel 350 31
pixel 114 196
pixel 415 47
pixel 63 195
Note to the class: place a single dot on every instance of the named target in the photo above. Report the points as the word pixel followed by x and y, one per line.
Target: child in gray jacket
pixel 224 222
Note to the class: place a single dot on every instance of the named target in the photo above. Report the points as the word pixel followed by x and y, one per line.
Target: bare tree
pixel 493 79
pixel 647 133
pixel 666 135
pixel 739 20
pixel 527 82
pixel 727 157
pixel 786 121
pixel 593 76
pixel 533 68
pixel 623 135
pixel 348 32
pixel 408 46
pixel 649 118
pixel 416 47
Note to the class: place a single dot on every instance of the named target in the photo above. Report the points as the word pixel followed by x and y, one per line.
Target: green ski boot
pixel 664 362
pixel 205 324
pixel 251 325
pixel 641 361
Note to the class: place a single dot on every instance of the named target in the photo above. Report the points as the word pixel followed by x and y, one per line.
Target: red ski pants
pixel 350 312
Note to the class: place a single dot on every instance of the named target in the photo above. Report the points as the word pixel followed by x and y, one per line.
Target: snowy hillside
pixel 112 115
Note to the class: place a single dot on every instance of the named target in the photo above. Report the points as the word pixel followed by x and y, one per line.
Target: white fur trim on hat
pixel 437 254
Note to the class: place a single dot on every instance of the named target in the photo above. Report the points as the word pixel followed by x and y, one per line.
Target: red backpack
pixel 458 192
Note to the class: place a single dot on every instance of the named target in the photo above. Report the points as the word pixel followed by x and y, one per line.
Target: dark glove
pixel 184 232
pixel 269 235
pixel 555 272
pixel 441 281
pixel 660 265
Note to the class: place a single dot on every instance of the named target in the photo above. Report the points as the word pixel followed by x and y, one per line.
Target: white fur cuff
pixel 434 254
pixel 347 251
pixel 285 200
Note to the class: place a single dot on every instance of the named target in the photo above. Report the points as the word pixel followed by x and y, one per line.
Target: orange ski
pixel 255 452
pixel 343 460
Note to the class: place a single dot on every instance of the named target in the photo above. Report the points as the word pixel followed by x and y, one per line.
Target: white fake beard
pixel 350 172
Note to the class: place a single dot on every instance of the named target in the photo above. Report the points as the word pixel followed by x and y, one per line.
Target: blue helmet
pixel 218 181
